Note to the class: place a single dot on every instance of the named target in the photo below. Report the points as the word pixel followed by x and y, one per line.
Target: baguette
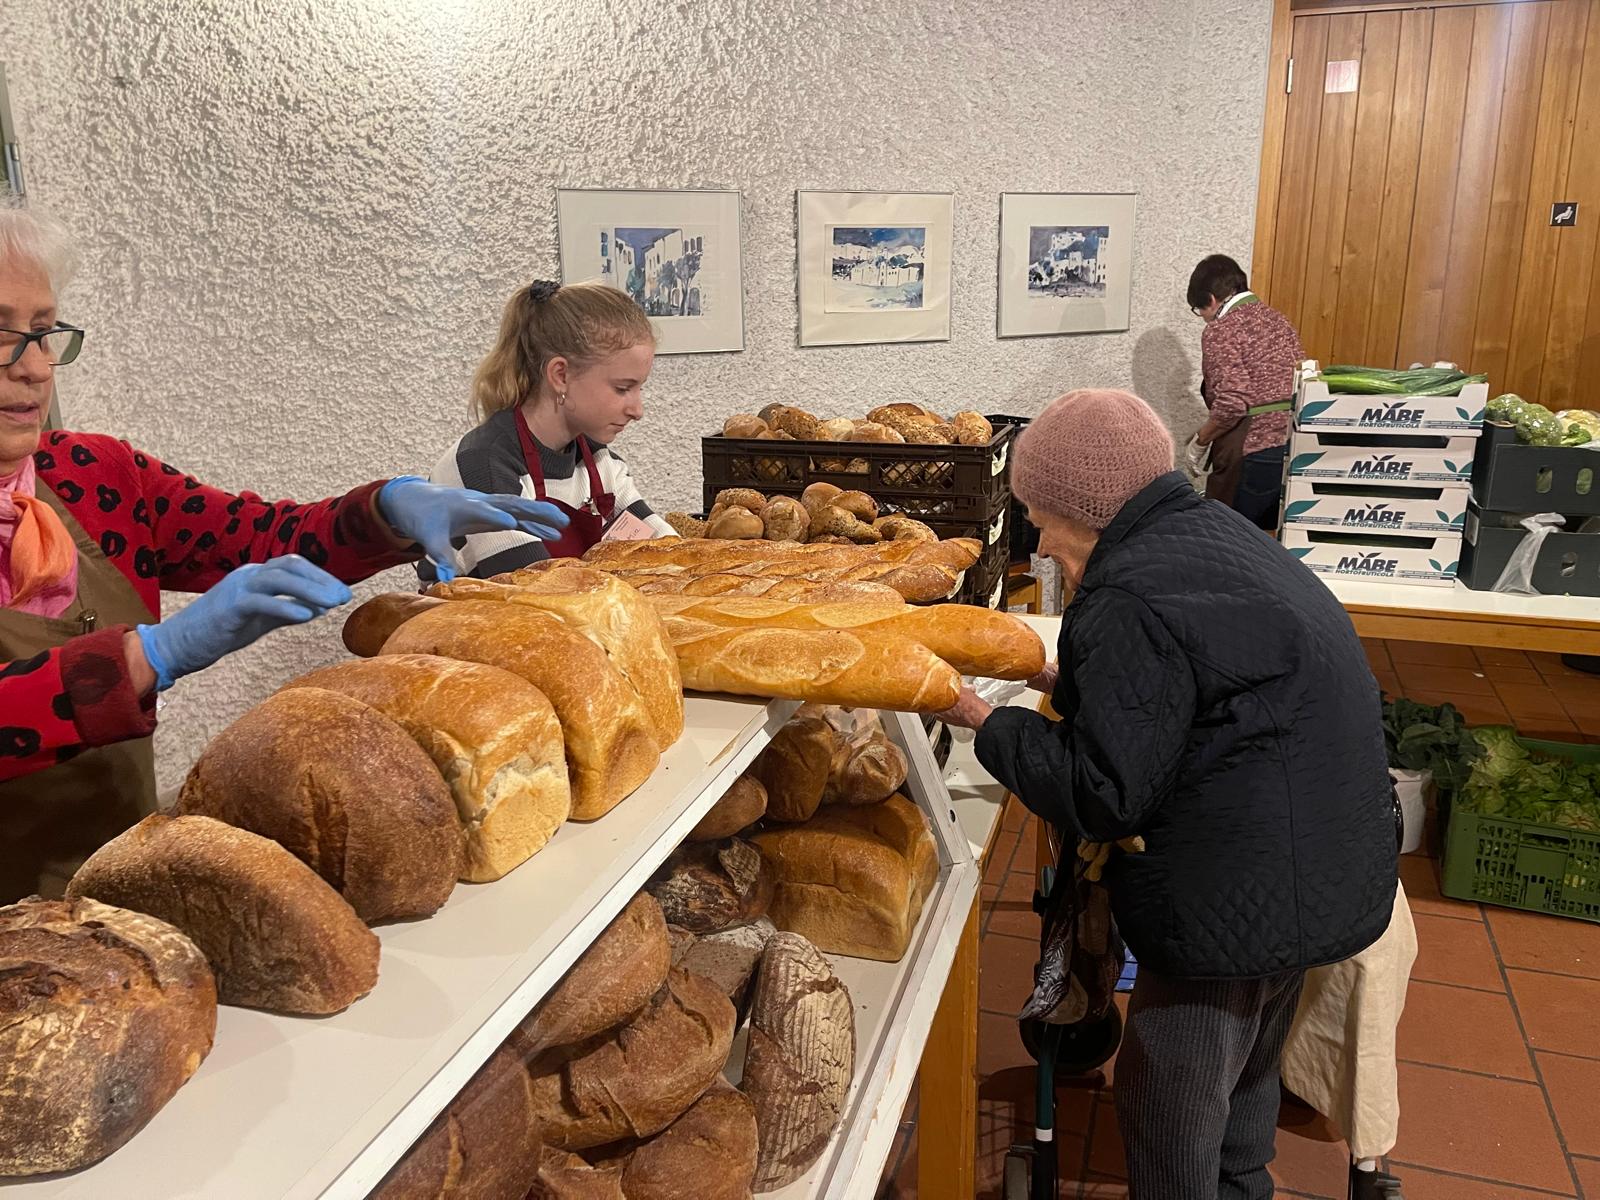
pixel 708 554
pixel 975 641
pixel 369 626
pixel 637 1081
pixel 276 935
pixel 611 613
pixel 610 750
pixel 493 736
pixel 829 667
pixel 917 583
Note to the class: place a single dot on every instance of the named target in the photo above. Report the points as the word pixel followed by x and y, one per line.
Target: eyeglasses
pixel 60 345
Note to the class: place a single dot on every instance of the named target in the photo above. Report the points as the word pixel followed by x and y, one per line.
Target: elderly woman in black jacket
pixel 1215 702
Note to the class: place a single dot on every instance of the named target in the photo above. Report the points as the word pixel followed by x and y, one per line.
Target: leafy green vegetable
pixel 1511 781
pixel 1505 408
pixel 1426 737
pixel 1538 426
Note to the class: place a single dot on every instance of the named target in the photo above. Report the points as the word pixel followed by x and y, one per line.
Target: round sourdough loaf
pixel 104 1014
pixel 709 1153
pixel 492 735
pixel 276 935
pixel 342 788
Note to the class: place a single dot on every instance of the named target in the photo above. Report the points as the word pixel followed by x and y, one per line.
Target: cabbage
pixel 1510 781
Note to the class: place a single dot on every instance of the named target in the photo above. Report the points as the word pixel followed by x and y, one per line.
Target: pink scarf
pixel 38 562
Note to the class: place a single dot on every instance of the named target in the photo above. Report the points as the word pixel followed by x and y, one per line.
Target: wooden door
pixel 1408 203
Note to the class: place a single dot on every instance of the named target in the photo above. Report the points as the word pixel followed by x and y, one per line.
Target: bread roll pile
pixel 824 514
pixel 898 423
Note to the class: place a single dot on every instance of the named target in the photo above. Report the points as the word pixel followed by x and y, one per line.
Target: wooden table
pixel 1462 617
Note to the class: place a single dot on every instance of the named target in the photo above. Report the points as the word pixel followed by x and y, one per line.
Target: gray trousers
pixel 1197 1084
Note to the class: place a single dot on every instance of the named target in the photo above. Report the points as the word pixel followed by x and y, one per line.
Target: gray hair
pixel 33 236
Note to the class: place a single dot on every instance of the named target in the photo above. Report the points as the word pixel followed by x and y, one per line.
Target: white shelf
pixel 298 1107
pixel 1460 601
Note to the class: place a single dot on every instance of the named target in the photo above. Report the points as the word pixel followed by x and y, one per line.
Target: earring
pixel 561 400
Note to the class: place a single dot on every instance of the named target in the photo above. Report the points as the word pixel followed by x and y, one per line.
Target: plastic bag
pixel 996 693
pixel 1517 578
pixel 1196 458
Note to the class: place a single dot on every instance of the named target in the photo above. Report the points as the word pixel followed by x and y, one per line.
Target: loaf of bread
pixel 707 886
pixel 832 666
pixel 609 612
pixel 566 1176
pixel 853 880
pixel 342 788
pixel 610 748
pixel 972 429
pixel 709 1153
pixel 801 1058
pixel 977 642
pixel 741 806
pixel 785 519
pixel 728 957
pixel 867 769
pixel 276 935
pixel 104 1015
pixel 486 1144
pixel 795 766
pixel 369 626
pixel 746 585
pixel 639 1079
pixel 706 555
pixel 492 735
pixel 611 984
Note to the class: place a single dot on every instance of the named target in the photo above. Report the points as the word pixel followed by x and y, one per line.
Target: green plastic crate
pixel 1522 864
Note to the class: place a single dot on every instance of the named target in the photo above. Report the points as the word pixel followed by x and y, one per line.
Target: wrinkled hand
pixel 1045 680
pixel 969 712
pixel 248 603
pixel 435 517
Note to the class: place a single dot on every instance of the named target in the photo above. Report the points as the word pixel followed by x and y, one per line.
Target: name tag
pixel 628 528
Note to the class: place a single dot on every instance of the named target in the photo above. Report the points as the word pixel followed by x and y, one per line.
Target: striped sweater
pixel 489 459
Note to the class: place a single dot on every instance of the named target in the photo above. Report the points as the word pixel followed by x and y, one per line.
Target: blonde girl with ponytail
pixel 565 377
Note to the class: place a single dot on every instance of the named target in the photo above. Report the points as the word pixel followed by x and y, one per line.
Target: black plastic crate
pixel 947 483
pixel 1568 563
pixel 1508 476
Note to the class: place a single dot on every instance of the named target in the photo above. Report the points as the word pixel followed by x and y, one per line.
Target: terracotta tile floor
pixel 1499 1048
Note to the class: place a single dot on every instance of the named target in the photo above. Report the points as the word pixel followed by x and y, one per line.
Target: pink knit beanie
pixel 1088 454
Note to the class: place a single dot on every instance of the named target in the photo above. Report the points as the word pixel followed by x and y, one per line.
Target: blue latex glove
pixel 247 604
pixel 435 517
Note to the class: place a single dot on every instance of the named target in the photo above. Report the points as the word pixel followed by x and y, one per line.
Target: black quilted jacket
pixel 1214 700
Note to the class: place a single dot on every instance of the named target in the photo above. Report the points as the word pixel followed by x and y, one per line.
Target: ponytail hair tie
pixel 541 290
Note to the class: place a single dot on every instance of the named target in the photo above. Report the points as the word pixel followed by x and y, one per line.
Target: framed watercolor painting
pixel 675 252
pixel 873 267
pixel 1066 263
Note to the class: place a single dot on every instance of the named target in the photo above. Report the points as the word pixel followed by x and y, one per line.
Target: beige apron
pixel 1340 1056
pixel 51 820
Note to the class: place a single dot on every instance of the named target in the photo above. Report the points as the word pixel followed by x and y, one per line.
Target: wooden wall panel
pixel 1380 49
pixel 1411 220
pixel 1319 300
pixel 1508 199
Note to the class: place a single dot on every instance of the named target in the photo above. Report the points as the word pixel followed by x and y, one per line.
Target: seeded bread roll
pixel 104 1015
pixel 746 498
pixel 636 1081
pixel 685 525
pixel 276 935
pixel 798 423
pixel 342 788
pixel 609 985
pixel 744 425
pixel 801 1058
pixel 492 735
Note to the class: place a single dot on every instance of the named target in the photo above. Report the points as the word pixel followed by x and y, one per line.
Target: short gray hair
pixel 34 236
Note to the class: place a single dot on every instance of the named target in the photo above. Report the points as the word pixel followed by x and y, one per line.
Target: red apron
pixel 586 526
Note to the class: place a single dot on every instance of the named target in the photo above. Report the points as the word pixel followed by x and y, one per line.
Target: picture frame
pixel 676 252
pixel 1066 263
pixel 873 266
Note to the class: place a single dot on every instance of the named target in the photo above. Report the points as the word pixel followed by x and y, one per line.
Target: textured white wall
pixel 300 219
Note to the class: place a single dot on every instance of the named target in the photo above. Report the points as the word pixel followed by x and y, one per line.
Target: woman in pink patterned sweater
pixel 1248 356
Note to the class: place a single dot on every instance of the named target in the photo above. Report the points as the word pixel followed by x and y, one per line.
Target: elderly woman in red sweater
pixel 1249 352
pixel 92 530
